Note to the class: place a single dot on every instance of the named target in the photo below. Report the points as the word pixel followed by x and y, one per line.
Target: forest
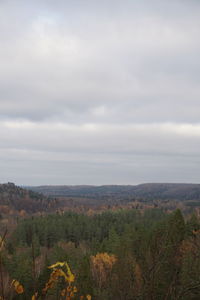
pixel 123 254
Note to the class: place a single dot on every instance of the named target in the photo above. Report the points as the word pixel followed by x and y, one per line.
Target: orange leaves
pixel 17 287
pixel 103 260
pixel 69 277
pixel 101 265
pixel 88 297
pixel 69 292
pixel 34 297
pixel 61 270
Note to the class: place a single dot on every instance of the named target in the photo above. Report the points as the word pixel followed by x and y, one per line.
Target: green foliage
pixel 20 266
pixel 157 254
pixel 85 281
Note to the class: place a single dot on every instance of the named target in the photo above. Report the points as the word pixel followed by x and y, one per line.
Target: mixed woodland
pixel 60 248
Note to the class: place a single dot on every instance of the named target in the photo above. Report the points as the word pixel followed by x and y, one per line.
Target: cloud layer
pixel 99 92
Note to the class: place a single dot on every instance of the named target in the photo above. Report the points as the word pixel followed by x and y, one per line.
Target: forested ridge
pixel 149 191
pixel 14 199
pixel 169 195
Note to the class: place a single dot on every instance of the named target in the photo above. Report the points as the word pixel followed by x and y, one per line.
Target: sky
pixel 99 92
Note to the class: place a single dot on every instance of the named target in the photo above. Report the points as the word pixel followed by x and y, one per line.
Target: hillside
pixel 148 191
pixel 15 199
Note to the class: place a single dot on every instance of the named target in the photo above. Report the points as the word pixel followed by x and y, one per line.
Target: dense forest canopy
pixel 140 249
pixel 121 254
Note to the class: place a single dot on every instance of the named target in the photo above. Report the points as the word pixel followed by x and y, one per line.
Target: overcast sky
pixel 99 92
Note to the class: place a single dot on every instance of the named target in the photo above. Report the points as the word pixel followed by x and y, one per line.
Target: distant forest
pixel 150 191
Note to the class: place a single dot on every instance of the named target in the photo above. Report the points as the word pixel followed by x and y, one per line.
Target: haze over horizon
pixel 99 92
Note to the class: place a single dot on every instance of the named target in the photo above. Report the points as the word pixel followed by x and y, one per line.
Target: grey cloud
pixel 111 86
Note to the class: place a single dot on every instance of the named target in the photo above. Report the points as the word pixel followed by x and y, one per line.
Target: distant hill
pixel 148 191
pixel 14 198
pixel 17 200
